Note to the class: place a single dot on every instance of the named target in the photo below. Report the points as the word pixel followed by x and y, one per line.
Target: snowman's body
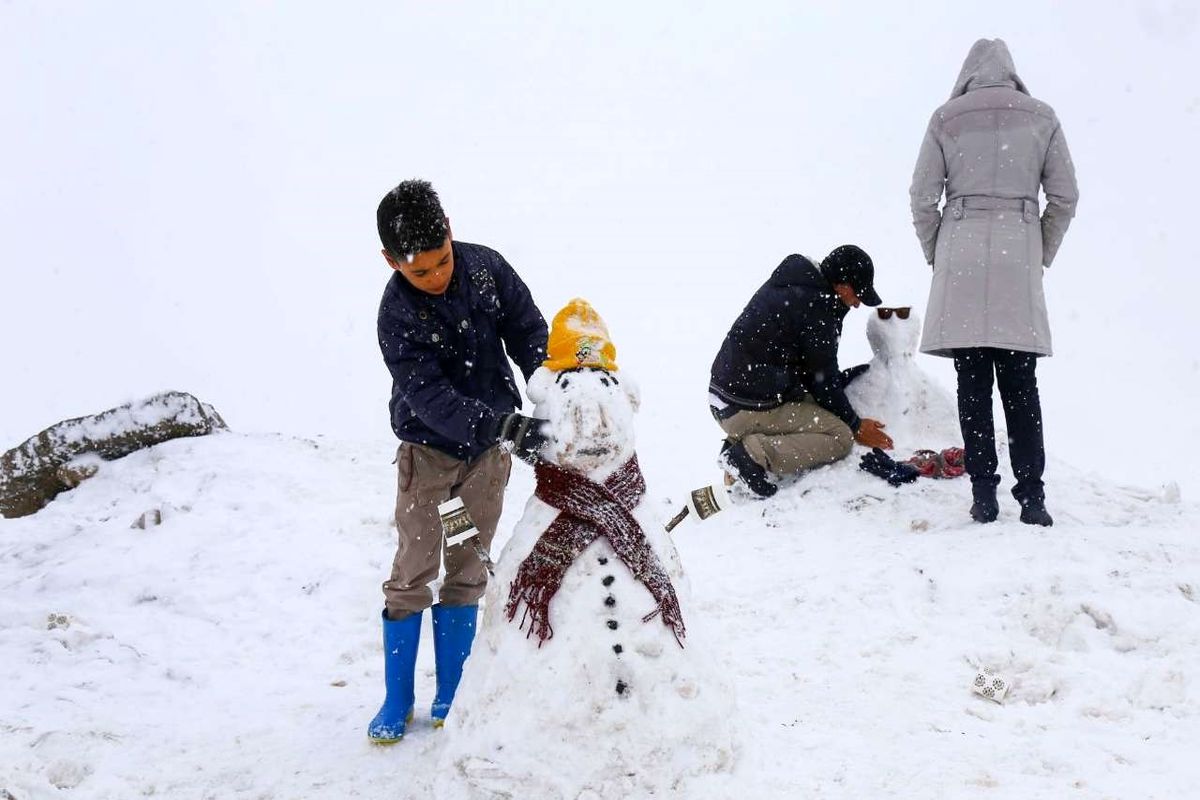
pixel 918 412
pixel 611 705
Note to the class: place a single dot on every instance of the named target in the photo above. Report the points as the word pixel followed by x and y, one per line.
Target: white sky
pixel 188 191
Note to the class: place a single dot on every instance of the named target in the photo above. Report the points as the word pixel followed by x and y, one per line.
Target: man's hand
pixel 870 433
pixel 522 436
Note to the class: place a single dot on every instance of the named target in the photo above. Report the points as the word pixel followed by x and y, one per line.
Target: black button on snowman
pixel 611 601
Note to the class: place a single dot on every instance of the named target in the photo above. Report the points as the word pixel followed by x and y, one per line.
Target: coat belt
pixel 978 202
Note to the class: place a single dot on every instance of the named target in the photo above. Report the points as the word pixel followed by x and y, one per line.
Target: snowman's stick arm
pixel 678 518
pixel 484 558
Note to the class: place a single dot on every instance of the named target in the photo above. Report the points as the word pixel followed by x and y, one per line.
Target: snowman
pixel 584 680
pixel 918 411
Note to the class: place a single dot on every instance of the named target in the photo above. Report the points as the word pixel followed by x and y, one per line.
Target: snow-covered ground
pixel 234 650
pixel 188 203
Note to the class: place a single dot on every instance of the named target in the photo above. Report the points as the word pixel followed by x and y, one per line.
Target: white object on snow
pixel 148 519
pixel 702 503
pixel 611 704
pixel 706 502
pixel 991 684
pixel 918 412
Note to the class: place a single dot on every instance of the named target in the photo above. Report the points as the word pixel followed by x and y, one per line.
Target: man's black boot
pixel 1036 514
pixel 746 469
pixel 1032 498
pixel 985 508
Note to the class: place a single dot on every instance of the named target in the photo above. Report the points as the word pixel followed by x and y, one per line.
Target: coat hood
pixel 799 271
pixel 988 64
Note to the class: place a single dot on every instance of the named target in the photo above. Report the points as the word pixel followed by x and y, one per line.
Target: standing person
pixel 776 390
pixel 449 313
pixel 988 149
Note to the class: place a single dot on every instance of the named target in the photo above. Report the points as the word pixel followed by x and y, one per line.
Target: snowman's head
pixel 589 417
pixel 891 336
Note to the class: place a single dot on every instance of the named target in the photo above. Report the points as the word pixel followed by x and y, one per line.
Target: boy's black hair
pixel 411 220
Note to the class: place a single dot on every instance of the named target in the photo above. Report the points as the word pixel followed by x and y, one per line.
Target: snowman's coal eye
pixel 564 383
pixel 604 380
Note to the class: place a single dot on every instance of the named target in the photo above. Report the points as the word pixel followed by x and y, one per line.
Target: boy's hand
pixel 522 436
pixel 870 433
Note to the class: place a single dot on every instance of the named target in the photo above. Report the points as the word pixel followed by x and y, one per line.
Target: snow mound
pixel 234 650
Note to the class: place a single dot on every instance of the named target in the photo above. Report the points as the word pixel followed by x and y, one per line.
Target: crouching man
pixel 449 314
pixel 776 390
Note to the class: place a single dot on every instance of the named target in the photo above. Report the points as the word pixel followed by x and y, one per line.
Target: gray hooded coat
pixel 988 149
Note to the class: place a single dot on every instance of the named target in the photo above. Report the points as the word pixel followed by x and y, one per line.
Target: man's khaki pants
pixel 791 438
pixel 428 477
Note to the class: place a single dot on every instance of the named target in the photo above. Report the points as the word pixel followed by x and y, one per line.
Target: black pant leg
pixel 1016 374
pixel 974 366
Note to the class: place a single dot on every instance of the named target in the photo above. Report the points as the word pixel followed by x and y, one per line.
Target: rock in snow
pixel 69 452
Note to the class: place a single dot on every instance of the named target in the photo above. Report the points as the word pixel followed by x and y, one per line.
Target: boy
pixel 449 314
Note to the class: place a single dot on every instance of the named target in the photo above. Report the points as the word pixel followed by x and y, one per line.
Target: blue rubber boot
pixel 453 632
pixel 400 640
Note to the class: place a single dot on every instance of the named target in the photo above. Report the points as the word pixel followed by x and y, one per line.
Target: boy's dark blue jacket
pixel 784 344
pixel 451 381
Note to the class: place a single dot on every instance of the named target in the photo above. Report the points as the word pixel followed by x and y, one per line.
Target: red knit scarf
pixel 587 510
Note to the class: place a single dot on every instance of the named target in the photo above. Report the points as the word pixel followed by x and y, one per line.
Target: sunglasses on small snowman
pixel 886 313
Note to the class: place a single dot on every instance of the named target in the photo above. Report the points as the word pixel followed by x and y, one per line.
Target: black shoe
pixel 1032 497
pixel 985 508
pixel 985 512
pixel 748 471
pixel 1034 513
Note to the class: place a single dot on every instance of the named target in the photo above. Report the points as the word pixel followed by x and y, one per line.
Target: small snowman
pixel 919 412
pixel 584 680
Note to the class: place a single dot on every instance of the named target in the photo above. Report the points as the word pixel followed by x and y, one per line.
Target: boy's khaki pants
pixel 426 478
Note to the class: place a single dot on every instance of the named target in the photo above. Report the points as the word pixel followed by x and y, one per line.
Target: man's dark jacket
pixel 784 344
pixel 451 381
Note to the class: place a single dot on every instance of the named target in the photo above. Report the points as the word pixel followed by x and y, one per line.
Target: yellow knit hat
pixel 579 338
